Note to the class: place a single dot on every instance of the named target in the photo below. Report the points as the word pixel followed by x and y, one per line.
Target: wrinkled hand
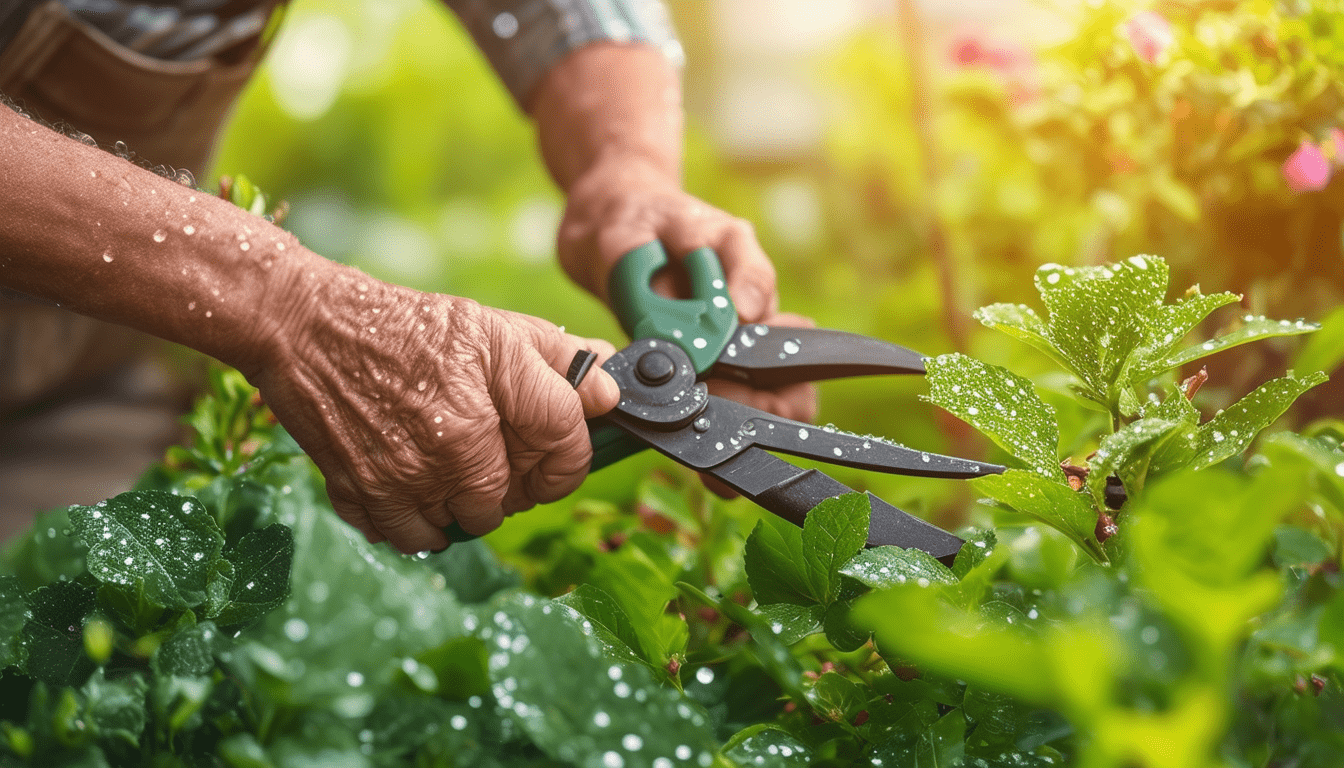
pixel 423 409
pixel 623 204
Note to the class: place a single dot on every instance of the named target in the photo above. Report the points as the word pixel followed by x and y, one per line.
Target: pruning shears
pixel 679 344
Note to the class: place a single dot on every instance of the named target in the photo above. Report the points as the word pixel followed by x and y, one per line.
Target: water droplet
pixel 683 752
pixel 718 446
pixel 208 313
pixel 704 675
pixel 1052 278
pixel 791 347
pixel 296 629
pixel 802 433
pixel 621 689
pixel 837 452
pixel 130 560
pixel 188 230
pixel 245 246
pixel 197 556
pixel 160 236
pixel 458 722
pixel 632 742
pixel 601 719
pixel 107 256
pixel 699 343
pixel 721 302
pixel 1339 469
pixel 613 760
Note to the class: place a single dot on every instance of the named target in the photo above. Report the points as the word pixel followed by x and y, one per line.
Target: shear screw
pixel 654 368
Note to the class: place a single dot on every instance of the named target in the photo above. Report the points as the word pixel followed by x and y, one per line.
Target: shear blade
pixel 769 357
pixel 791 492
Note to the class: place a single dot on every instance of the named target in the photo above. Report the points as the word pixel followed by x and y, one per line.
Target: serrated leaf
pixel 53 638
pixel 999 403
pixel 115 709
pixel 1096 314
pixel 14 614
pixel 774 656
pixel 218 587
pixel 261 562
pixel 579 705
pixel 1167 325
pixel 151 542
pixel 1228 433
pixel 790 622
pixel 774 564
pixel 611 625
pixel 880 567
pixel 1054 504
pixel 833 532
pixel 1252 329
pixel 768 746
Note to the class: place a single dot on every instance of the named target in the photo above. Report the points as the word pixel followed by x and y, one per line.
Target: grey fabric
pixel 184 30
pixel 523 39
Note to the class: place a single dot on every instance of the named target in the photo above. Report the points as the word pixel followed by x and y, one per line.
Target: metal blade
pixel 791 492
pixel 769 357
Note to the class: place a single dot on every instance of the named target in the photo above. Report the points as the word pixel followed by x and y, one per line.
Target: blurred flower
pixel 1306 170
pixel 1150 34
pixel 1014 63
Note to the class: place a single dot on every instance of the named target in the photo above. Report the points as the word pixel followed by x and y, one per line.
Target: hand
pixel 624 202
pixel 423 409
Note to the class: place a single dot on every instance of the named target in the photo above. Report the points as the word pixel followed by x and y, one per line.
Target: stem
pixel 935 232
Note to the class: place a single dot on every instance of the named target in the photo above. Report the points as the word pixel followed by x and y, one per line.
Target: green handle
pixel 700 325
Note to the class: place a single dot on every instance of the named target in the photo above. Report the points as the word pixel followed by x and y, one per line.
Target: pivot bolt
pixel 654 368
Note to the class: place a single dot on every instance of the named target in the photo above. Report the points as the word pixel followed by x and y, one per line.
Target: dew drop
pixel 296 629
pixel 422 386
pixel 601 719
pixel 160 236
pixel 632 742
pixel 802 433
pixel 791 347
pixel 188 230
pixel 107 256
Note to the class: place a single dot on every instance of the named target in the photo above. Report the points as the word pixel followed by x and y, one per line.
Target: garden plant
pixel 1141 594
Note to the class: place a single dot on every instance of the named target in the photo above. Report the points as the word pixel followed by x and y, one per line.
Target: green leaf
pixel 768 746
pixel 1252 329
pixel 774 564
pixel 833 532
pixel 242 750
pixel 459 667
pixel 611 625
pixel 1054 504
pixel 152 543
pixel 999 403
pixel 642 588
pixel 880 567
pixel 189 652
pixel 791 622
pixel 115 709
pixel 1168 324
pixel 178 701
pixel 836 697
pixel 978 547
pixel 1021 322
pixel 1126 453
pixel 261 562
pixel 53 638
pixel 1323 456
pixel 578 704
pixel 1228 433
pixel 1097 315
pixel 14 614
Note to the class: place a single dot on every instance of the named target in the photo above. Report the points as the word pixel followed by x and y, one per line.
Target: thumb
pixel 598 391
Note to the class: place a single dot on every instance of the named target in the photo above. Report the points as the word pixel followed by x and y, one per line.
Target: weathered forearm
pixel 609 101
pixel 106 238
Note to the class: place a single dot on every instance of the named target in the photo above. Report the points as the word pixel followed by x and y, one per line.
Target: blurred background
pixel 905 161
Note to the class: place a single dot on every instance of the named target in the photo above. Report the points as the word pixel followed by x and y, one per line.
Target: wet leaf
pixel 836 697
pixel 791 622
pixel 578 704
pixel 1054 504
pixel 833 532
pixel 1021 322
pixel 880 567
pixel 1127 452
pixel 999 403
pixel 473 571
pixel 261 562
pixel 611 625
pixel 14 614
pixel 979 546
pixel 189 652
pixel 153 543
pixel 53 638
pixel 1252 329
pixel 768 746
pixel 1228 433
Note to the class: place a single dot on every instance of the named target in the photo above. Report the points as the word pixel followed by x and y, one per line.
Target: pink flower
pixel 1013 63
pixel 1306 170
pixel 1150 34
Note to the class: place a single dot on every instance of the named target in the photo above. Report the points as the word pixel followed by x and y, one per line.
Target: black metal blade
pixel 768 357
pixel 791 492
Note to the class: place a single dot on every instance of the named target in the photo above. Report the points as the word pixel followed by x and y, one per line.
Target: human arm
pixel 419 409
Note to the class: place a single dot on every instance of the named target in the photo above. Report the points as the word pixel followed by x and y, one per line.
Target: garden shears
pixel 665 404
